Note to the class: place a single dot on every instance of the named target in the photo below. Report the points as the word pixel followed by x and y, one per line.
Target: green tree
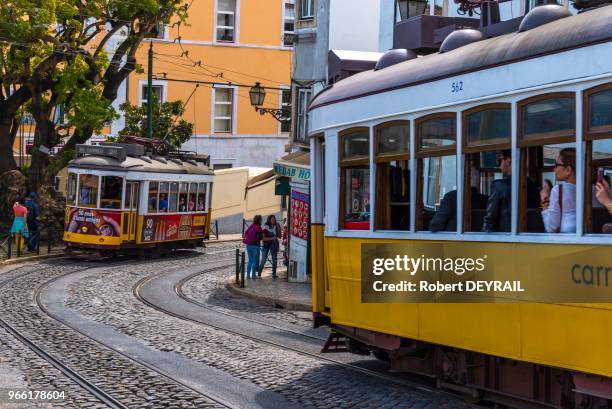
pixel 68 55
pixel 166 123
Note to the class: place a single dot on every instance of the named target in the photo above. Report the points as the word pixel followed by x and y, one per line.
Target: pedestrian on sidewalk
pixel 32 220
pixel 252 238
pixel 19 229
pixel 271 234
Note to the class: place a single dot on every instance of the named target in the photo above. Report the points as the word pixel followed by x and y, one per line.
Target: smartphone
pixel 600 175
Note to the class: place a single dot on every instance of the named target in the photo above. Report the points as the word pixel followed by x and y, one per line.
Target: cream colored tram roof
pixel 137 164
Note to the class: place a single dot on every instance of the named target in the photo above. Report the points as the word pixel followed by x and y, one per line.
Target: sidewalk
pixel 275 292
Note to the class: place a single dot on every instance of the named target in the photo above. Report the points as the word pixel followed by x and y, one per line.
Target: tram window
pixel 191 201
pixel 547 117
pixel 436 172
pixel 600 111
pixel 392 176
pixel 153 197
pixel 355 179
pixel 173 197
pixel 72 189
pixel 598 194
pixel 88 190
pixel 163 196
pixel 488 167
pixel 112 189
pixel 201 206
pixel 183 195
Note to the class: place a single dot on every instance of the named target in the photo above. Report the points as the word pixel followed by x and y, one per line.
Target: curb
pixel 28 259
pixel 222 241
pixel 273 302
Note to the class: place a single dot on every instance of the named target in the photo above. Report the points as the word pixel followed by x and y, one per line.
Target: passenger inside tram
pixel 445 218
pixel 559 214
pixel 163 202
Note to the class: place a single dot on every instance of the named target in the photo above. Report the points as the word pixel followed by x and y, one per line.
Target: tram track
pixel 90 386
pixel 354 368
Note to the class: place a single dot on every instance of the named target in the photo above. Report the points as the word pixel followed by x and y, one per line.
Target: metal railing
pixel 45 241
pixel 214 231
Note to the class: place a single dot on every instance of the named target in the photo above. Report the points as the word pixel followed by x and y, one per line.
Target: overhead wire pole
pixel 150 93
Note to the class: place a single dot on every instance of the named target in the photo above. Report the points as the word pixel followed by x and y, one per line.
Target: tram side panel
pixel 94 228
pixel 160 228
pixel 570 336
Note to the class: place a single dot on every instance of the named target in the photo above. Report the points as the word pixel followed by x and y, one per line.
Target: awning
pixel 294 165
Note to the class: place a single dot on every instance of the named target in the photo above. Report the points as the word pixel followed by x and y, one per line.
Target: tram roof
pixel 138 164
pixel 584 29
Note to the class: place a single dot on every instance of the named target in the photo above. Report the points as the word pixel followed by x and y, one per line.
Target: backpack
pixel 250 235
pixel 32 211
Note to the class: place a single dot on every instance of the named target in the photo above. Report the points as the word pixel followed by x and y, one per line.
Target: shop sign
pixel 292 171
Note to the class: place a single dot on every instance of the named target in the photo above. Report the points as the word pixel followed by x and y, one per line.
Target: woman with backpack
pixel 252 238
pixel 271 234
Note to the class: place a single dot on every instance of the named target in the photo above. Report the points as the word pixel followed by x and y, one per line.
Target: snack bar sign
pixel 292 171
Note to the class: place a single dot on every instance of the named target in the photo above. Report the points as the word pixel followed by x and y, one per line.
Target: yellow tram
pixel 391 145
pixel 121 200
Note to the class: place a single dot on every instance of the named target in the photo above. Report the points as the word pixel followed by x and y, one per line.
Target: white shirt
pixel 557 220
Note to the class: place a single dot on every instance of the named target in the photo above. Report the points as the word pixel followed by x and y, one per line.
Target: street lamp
pixel 257 94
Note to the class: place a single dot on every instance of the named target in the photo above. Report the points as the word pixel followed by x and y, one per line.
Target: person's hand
pixel 545 197
pixel 603 193
pixel 113 223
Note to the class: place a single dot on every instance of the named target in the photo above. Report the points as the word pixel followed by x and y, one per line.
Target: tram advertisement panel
pixel 172 227
pixel 93 222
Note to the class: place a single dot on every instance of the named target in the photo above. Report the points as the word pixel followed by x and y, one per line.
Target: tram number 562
pixel 457 86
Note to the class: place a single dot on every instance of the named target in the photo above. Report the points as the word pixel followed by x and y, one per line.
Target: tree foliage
pixel 166 123
pixel 72 54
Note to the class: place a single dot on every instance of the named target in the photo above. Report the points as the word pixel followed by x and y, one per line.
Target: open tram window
pixel 112 189
pixel 201 198
pixel 598 165
pixel 191 199
pixel 153 197
pixel 183 196
pixel 72 189
pixel 436 140
pixel 88 190
pixel 173 197
pixel 547 185
pixel 355 179
pixel 487 169
pixel 392 157
pixel 163 196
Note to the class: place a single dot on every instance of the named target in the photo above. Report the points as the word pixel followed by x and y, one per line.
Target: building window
pixel 302 114
pixel 288 24
pixel 436 137
pixel 161 31
pixel 223 110
pixel 406 9
pixel 392 176
pixel 221 166
pixel 226 20
pixel 158 93
pixel 285 96
pixel 306 9
pixel 355 179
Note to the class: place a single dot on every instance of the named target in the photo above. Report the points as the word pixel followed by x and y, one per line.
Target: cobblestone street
pixel 168 334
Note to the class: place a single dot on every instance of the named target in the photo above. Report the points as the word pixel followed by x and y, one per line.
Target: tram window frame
pixel 155 208
pixel 199 195
pixel 183 194
pixel 361 162
pixel 94 196
pixel 425 153
pixel 383 206
pixel 528 148
pixel 590 135
pixel 473 151
pixel 72 189
pixel 547 138
pixel 194 192
pixel 173 205
pixel 164 189
pixel 116 200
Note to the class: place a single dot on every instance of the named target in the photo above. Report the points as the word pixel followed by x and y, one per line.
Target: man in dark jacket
pixel 498 217
pixel 445 218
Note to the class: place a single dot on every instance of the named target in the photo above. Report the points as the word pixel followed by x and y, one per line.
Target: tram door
pixel 131 206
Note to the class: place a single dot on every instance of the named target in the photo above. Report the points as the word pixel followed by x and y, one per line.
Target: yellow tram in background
pixel 121 200
pixel 389 145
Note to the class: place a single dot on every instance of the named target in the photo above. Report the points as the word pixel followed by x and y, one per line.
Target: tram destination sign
pixel 117 152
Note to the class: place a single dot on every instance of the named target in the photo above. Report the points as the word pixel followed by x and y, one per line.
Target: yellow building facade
pixel 227 46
